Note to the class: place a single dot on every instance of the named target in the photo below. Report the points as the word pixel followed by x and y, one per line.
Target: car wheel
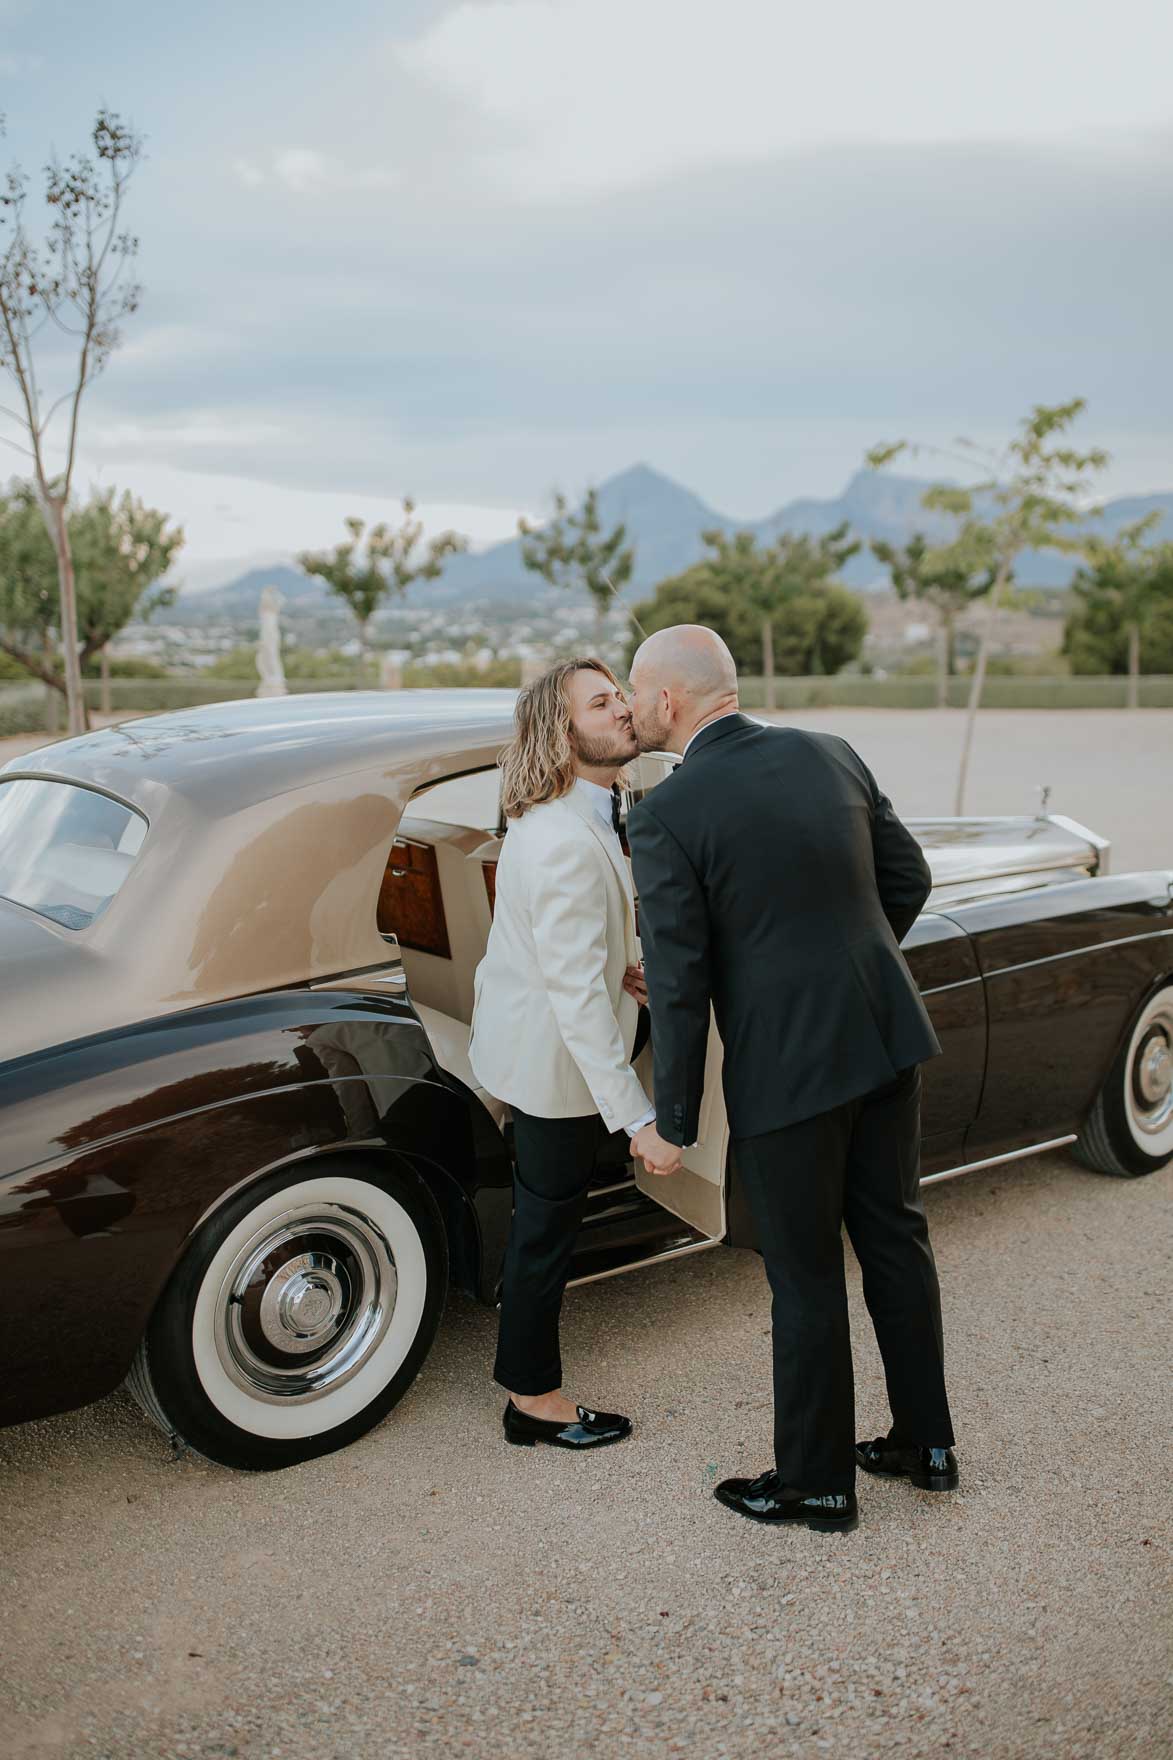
pixel 1129 1130
pixel 298 1316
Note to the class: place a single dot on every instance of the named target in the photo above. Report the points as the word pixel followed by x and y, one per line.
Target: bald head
pixel 680 677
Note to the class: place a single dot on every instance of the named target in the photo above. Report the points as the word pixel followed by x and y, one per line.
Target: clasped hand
pixel 657 1154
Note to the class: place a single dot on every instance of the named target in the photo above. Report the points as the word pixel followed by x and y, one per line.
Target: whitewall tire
pixel 1129 1131
pixel 299 1314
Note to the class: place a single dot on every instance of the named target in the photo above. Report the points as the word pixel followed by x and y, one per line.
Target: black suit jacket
pixel 775 881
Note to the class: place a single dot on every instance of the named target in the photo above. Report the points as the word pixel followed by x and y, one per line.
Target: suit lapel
pixel 582 809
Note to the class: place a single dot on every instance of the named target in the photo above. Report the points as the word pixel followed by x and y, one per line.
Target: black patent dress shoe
pixel 764 1499
pixel 933 1469
pixel 589 1430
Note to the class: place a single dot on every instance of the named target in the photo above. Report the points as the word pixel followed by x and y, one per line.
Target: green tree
pixel 947 587
pixel 1124 609
pixel 792 597
pixel 573 551
pixel 75 283
pixel 120 549
pixel 370 567
pixel 1029 500
pixel 779 603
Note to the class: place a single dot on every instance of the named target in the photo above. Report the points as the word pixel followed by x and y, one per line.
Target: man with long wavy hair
pixel 555 1015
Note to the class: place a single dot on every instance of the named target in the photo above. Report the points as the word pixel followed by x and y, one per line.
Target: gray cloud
pixel 750 328
pixel 950 287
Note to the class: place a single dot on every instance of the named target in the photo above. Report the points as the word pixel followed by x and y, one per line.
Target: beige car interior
pixel 436 900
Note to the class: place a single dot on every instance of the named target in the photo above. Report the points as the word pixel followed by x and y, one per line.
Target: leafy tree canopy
pixel 1125 586
pixel 573 551
pixel 818 626
pixel 120 549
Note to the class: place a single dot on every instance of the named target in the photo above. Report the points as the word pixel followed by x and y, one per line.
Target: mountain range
pixel 664 520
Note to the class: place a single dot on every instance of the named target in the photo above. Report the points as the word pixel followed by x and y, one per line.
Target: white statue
pixel 269 647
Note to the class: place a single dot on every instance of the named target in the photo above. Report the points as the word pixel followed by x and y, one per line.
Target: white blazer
pixel 552 1026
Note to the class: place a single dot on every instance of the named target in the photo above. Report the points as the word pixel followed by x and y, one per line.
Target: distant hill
pixel 665 521
pixel 242 597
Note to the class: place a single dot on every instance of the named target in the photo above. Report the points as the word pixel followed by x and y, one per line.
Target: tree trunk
pixel 52 694
pixel 1134 665
pixel 75 702
pixel 104 673
pixel 768 662
pixel 362 656
pixel 975 689
pixel 943 663
pixel 950 643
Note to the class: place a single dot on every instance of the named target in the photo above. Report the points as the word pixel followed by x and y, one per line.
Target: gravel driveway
pixel 433 1591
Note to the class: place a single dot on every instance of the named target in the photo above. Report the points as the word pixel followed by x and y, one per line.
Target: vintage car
pixel 242 1151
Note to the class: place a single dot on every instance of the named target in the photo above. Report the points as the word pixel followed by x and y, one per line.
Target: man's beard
pixel 601 753
pixel 651 730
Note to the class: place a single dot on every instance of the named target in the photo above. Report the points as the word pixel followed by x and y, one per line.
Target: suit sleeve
pixel 674 934
pixel 903 878
pixel 570 941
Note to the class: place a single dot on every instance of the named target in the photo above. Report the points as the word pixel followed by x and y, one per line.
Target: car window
pixel 645 773
pixel 461 800
pixel 64 850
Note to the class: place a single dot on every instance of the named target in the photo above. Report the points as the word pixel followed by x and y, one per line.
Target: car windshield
pixel 64 850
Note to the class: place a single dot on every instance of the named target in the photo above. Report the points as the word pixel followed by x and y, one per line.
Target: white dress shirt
pixel 600 799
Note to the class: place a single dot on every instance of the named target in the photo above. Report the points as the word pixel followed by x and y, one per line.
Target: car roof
pixel 271 823
pixel 224 757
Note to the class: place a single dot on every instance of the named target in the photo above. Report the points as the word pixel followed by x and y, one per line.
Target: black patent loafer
pixel 933 1469
pixel 589 1430
pixel 764 1499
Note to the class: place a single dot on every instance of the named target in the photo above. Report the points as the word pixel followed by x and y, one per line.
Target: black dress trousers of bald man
pixel 776 881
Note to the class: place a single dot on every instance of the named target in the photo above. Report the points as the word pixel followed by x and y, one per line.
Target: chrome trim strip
pixel 623 1185
pixel 390 976
pixel 640 1264
pixel 932 1179
pixel 1048 959
pixel 958 984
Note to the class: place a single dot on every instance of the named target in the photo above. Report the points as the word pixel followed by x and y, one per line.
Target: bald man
pixel 776 882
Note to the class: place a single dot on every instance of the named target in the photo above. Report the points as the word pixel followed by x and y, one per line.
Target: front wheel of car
pixel 1129 1131
pixel 300 1313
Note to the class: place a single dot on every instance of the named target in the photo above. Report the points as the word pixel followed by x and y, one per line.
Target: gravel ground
pixel 434 1591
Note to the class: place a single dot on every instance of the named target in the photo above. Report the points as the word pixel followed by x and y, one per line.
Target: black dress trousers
pixel 555 1161
pixel 859 1165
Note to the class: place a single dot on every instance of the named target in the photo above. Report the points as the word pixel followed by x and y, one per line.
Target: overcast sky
pixel 476 251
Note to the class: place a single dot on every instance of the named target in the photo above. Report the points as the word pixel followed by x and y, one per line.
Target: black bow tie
pixel 615 821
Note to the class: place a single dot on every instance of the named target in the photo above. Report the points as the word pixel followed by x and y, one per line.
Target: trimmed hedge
pixel 22 709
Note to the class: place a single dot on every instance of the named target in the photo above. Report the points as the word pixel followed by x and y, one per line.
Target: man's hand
pixel 635 985
pixel 657 1155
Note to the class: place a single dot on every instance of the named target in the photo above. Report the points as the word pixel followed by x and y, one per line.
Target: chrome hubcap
pixel 304 1303
pixel 1151 1086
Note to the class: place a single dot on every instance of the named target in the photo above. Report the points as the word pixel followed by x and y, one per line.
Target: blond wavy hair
pixel 538 763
